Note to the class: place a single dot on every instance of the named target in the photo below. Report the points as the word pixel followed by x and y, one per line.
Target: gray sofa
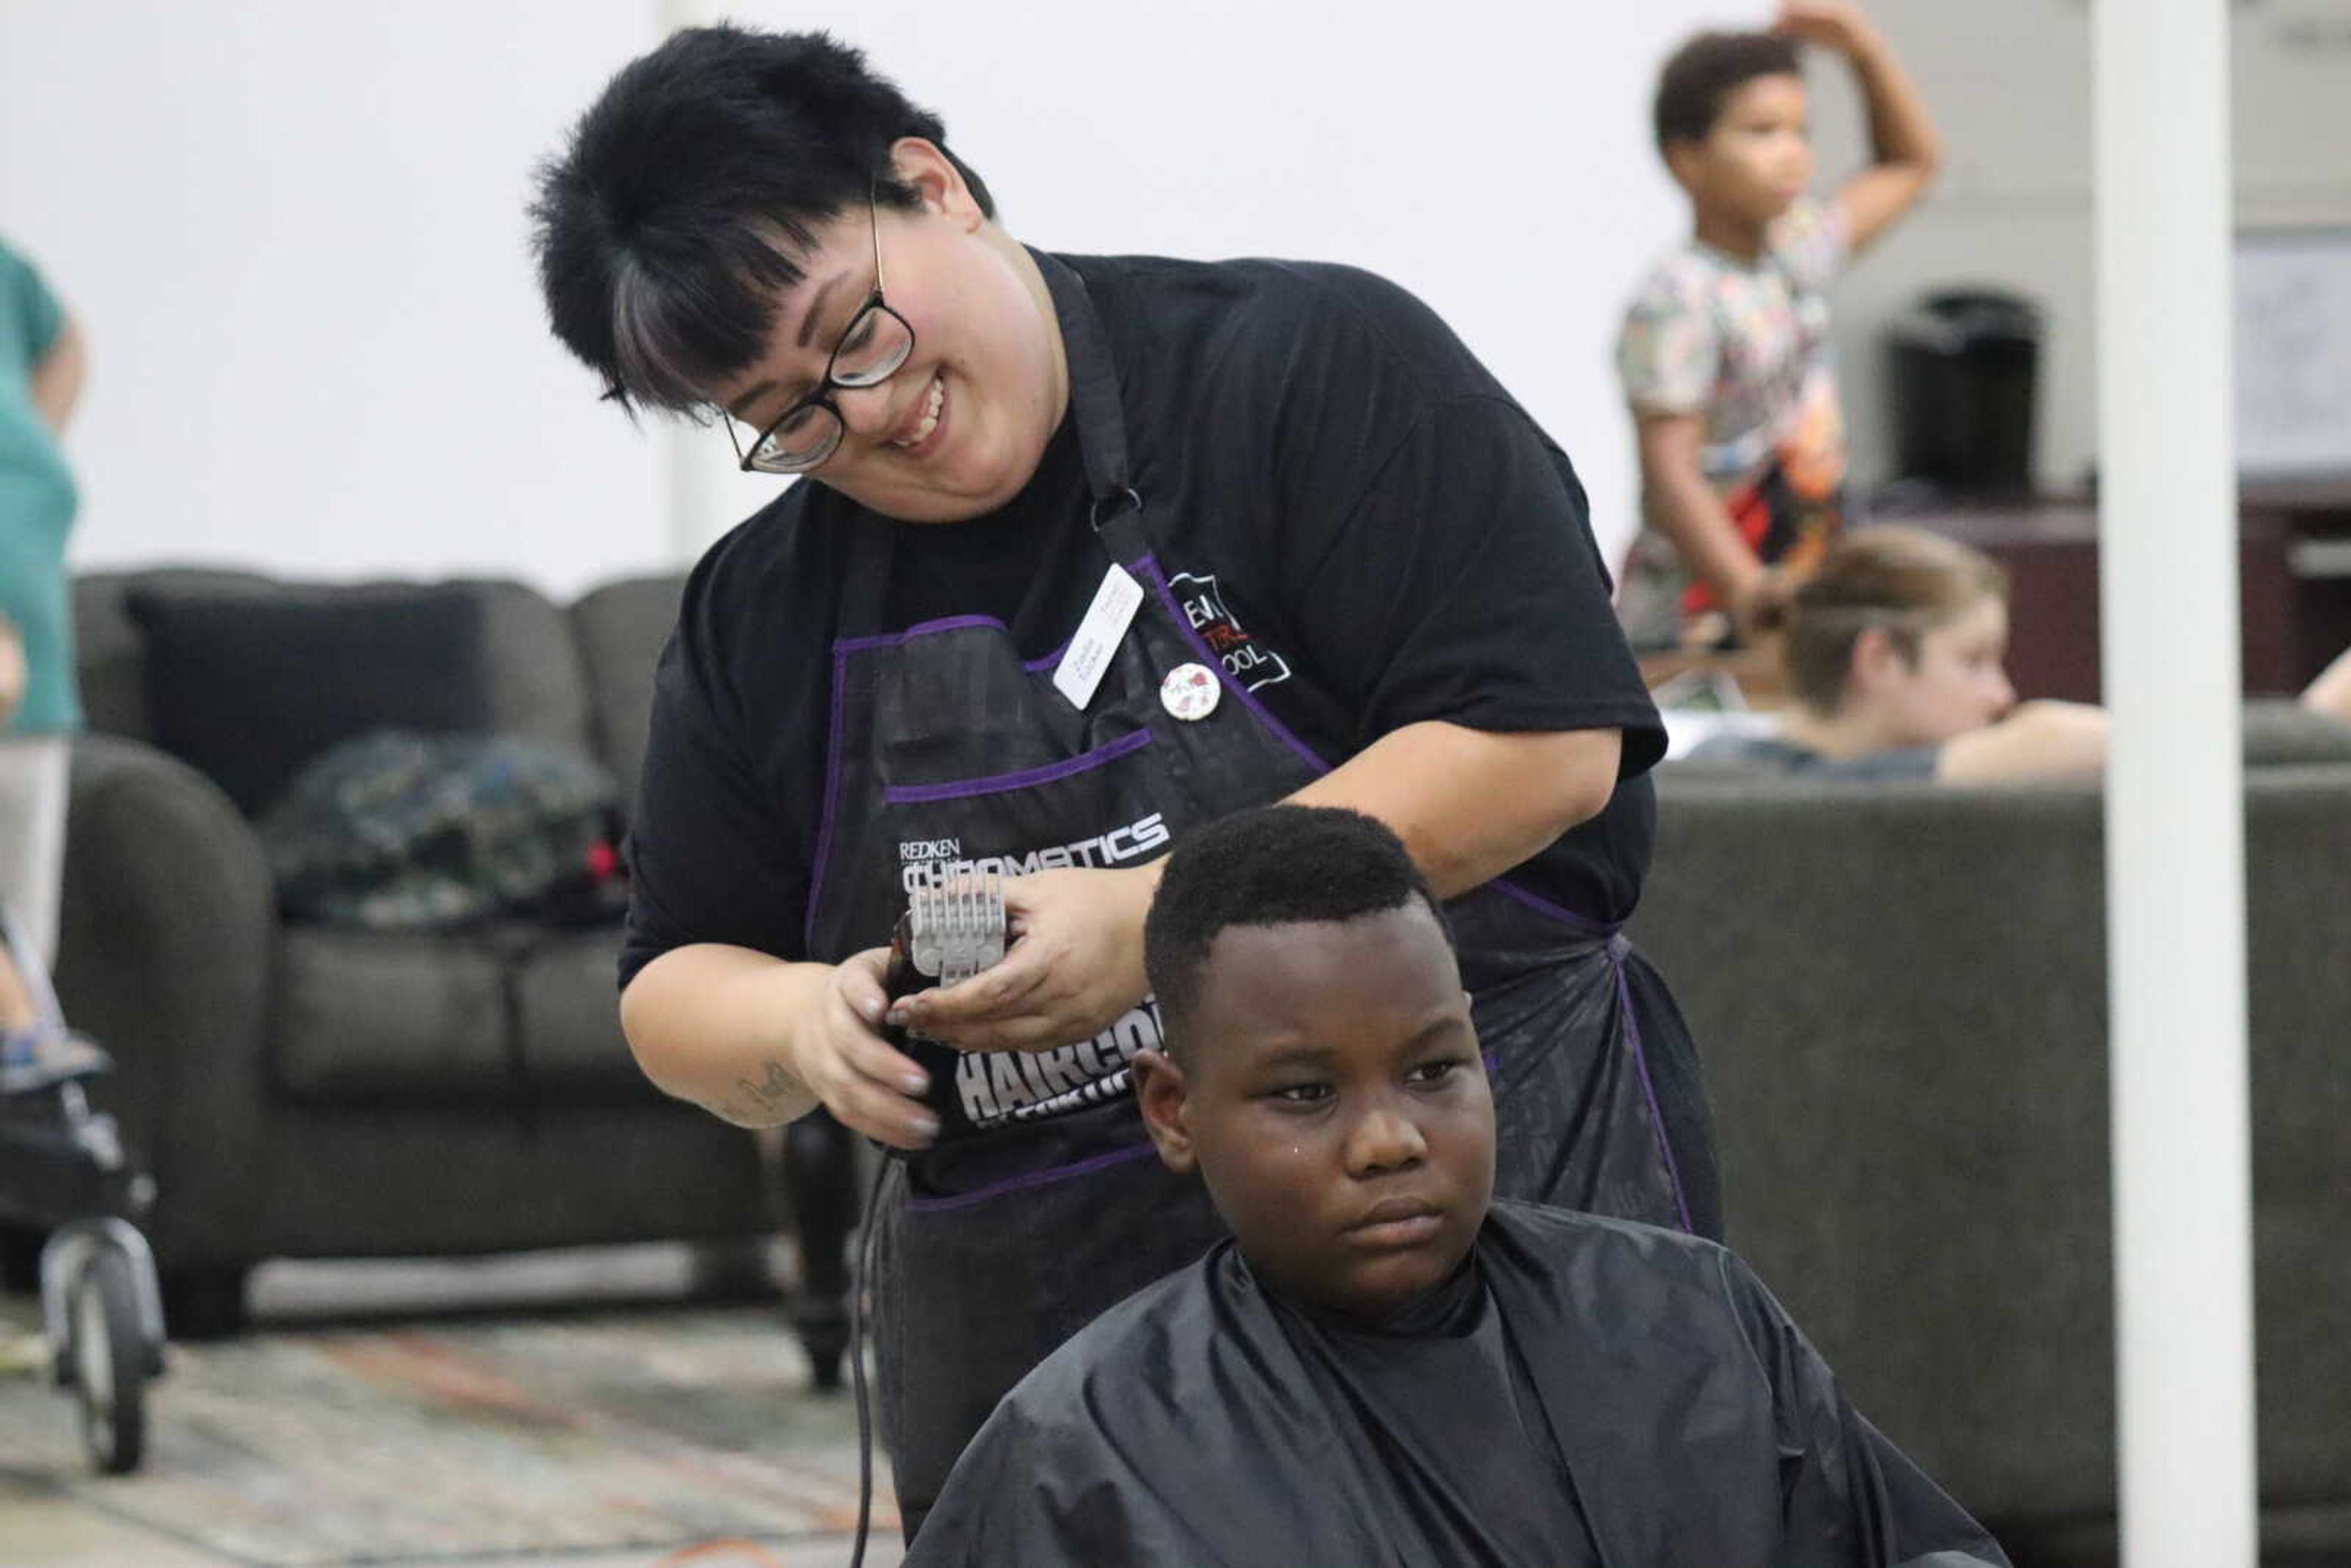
pixel 302 1093
pixel 1899 993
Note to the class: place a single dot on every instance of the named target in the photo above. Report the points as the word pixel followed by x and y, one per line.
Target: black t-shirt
pixel 1352 511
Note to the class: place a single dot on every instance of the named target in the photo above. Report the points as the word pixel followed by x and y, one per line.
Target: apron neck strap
pixel 865 582
pixel 1116 507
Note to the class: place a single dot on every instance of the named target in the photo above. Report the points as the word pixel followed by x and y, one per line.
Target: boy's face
pixel 1758 158
pixel 1954 684
pixel 1331 1095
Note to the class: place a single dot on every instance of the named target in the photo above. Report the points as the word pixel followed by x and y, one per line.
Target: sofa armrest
pixel 167 946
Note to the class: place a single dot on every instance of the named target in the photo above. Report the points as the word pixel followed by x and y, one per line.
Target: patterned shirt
pixel 1746 345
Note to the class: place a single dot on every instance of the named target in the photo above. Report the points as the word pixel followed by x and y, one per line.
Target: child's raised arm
pixel 1905 149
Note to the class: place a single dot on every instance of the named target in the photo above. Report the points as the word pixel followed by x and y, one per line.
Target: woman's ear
pixel 1159 1090
pixel 920 164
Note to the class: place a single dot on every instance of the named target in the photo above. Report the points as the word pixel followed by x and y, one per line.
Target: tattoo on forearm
pixel 778 1084
pixel 756 1102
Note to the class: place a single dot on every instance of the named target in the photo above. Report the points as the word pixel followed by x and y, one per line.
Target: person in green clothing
pixel 41 368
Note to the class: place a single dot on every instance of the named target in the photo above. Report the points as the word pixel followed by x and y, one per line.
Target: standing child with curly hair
pixel 1725 350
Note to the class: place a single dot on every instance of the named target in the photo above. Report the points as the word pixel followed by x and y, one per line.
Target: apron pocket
pixel 1021 779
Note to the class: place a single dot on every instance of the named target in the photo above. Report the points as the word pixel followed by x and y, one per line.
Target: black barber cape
pixel 1678 1414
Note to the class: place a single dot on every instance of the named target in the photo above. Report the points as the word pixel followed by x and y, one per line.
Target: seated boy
pixel 1384 1366
pixel 1724 355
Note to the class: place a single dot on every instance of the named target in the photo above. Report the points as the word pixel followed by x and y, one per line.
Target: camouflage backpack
pixel 398 832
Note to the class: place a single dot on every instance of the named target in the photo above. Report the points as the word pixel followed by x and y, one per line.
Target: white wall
pixel 2009 83
pixel 295 233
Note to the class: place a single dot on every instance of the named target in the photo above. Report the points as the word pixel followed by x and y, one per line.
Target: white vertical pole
pixel 2175 834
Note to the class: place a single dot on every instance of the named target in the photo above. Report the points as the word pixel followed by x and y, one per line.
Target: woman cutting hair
pixel 1087 553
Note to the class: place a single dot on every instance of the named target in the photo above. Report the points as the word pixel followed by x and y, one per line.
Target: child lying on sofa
pixel 1385 1366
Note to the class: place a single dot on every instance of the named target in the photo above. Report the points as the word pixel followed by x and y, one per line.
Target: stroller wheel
pixel 108 1354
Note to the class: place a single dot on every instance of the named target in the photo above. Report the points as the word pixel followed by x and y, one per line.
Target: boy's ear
pixel 1876 660
pixel 1681 160
pixel 1159 1090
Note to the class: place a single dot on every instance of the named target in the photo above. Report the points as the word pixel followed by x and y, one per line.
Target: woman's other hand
pixel 761 1041
pixel 840 1057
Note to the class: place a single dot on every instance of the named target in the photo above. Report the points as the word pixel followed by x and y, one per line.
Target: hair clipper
pixel 949 931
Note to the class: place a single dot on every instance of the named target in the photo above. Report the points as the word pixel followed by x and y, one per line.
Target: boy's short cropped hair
pixel 1708 70
pixel 1272 865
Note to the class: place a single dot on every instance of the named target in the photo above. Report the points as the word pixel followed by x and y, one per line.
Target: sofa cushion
pixel 364 1016
pixel 2281 730
pixel 110 651
pixel 621 628
pixel 1898 993
pixel 567 1018
pixel 511 1014
pixel 248 686
pixel 538 688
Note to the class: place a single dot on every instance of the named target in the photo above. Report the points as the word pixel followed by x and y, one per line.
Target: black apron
pixel 1043 1202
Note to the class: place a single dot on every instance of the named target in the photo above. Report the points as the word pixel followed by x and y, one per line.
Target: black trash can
pixel 1964 367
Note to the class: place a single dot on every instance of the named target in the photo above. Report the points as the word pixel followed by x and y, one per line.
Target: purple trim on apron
pixel 997 784
pixel 1038 666
pixel 920 629
pixel 945 624
pixel 1595 929
pixel 1648 1090
pixel 831 795
pixel 1031 1178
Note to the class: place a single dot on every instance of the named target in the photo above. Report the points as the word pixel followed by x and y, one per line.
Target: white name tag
pixel 1099 636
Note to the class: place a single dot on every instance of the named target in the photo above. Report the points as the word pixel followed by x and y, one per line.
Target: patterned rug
pixel 609 1430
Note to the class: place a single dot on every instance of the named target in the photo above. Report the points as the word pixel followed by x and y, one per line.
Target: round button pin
pixel 1190 692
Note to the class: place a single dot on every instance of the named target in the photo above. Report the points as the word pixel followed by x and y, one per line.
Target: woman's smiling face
pixel 958 430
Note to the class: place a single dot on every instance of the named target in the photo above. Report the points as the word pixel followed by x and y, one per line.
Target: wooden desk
pixel 2295 575
pixel 2316 517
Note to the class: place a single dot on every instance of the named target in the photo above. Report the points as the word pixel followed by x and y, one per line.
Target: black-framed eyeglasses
pixel 878 340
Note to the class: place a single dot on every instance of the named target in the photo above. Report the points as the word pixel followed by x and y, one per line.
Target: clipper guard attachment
pixel 958 928
pixel 950 932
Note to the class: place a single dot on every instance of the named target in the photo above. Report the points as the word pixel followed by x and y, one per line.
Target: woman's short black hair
pixel 677 212
pixel 1272 865
pixel 1708 70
